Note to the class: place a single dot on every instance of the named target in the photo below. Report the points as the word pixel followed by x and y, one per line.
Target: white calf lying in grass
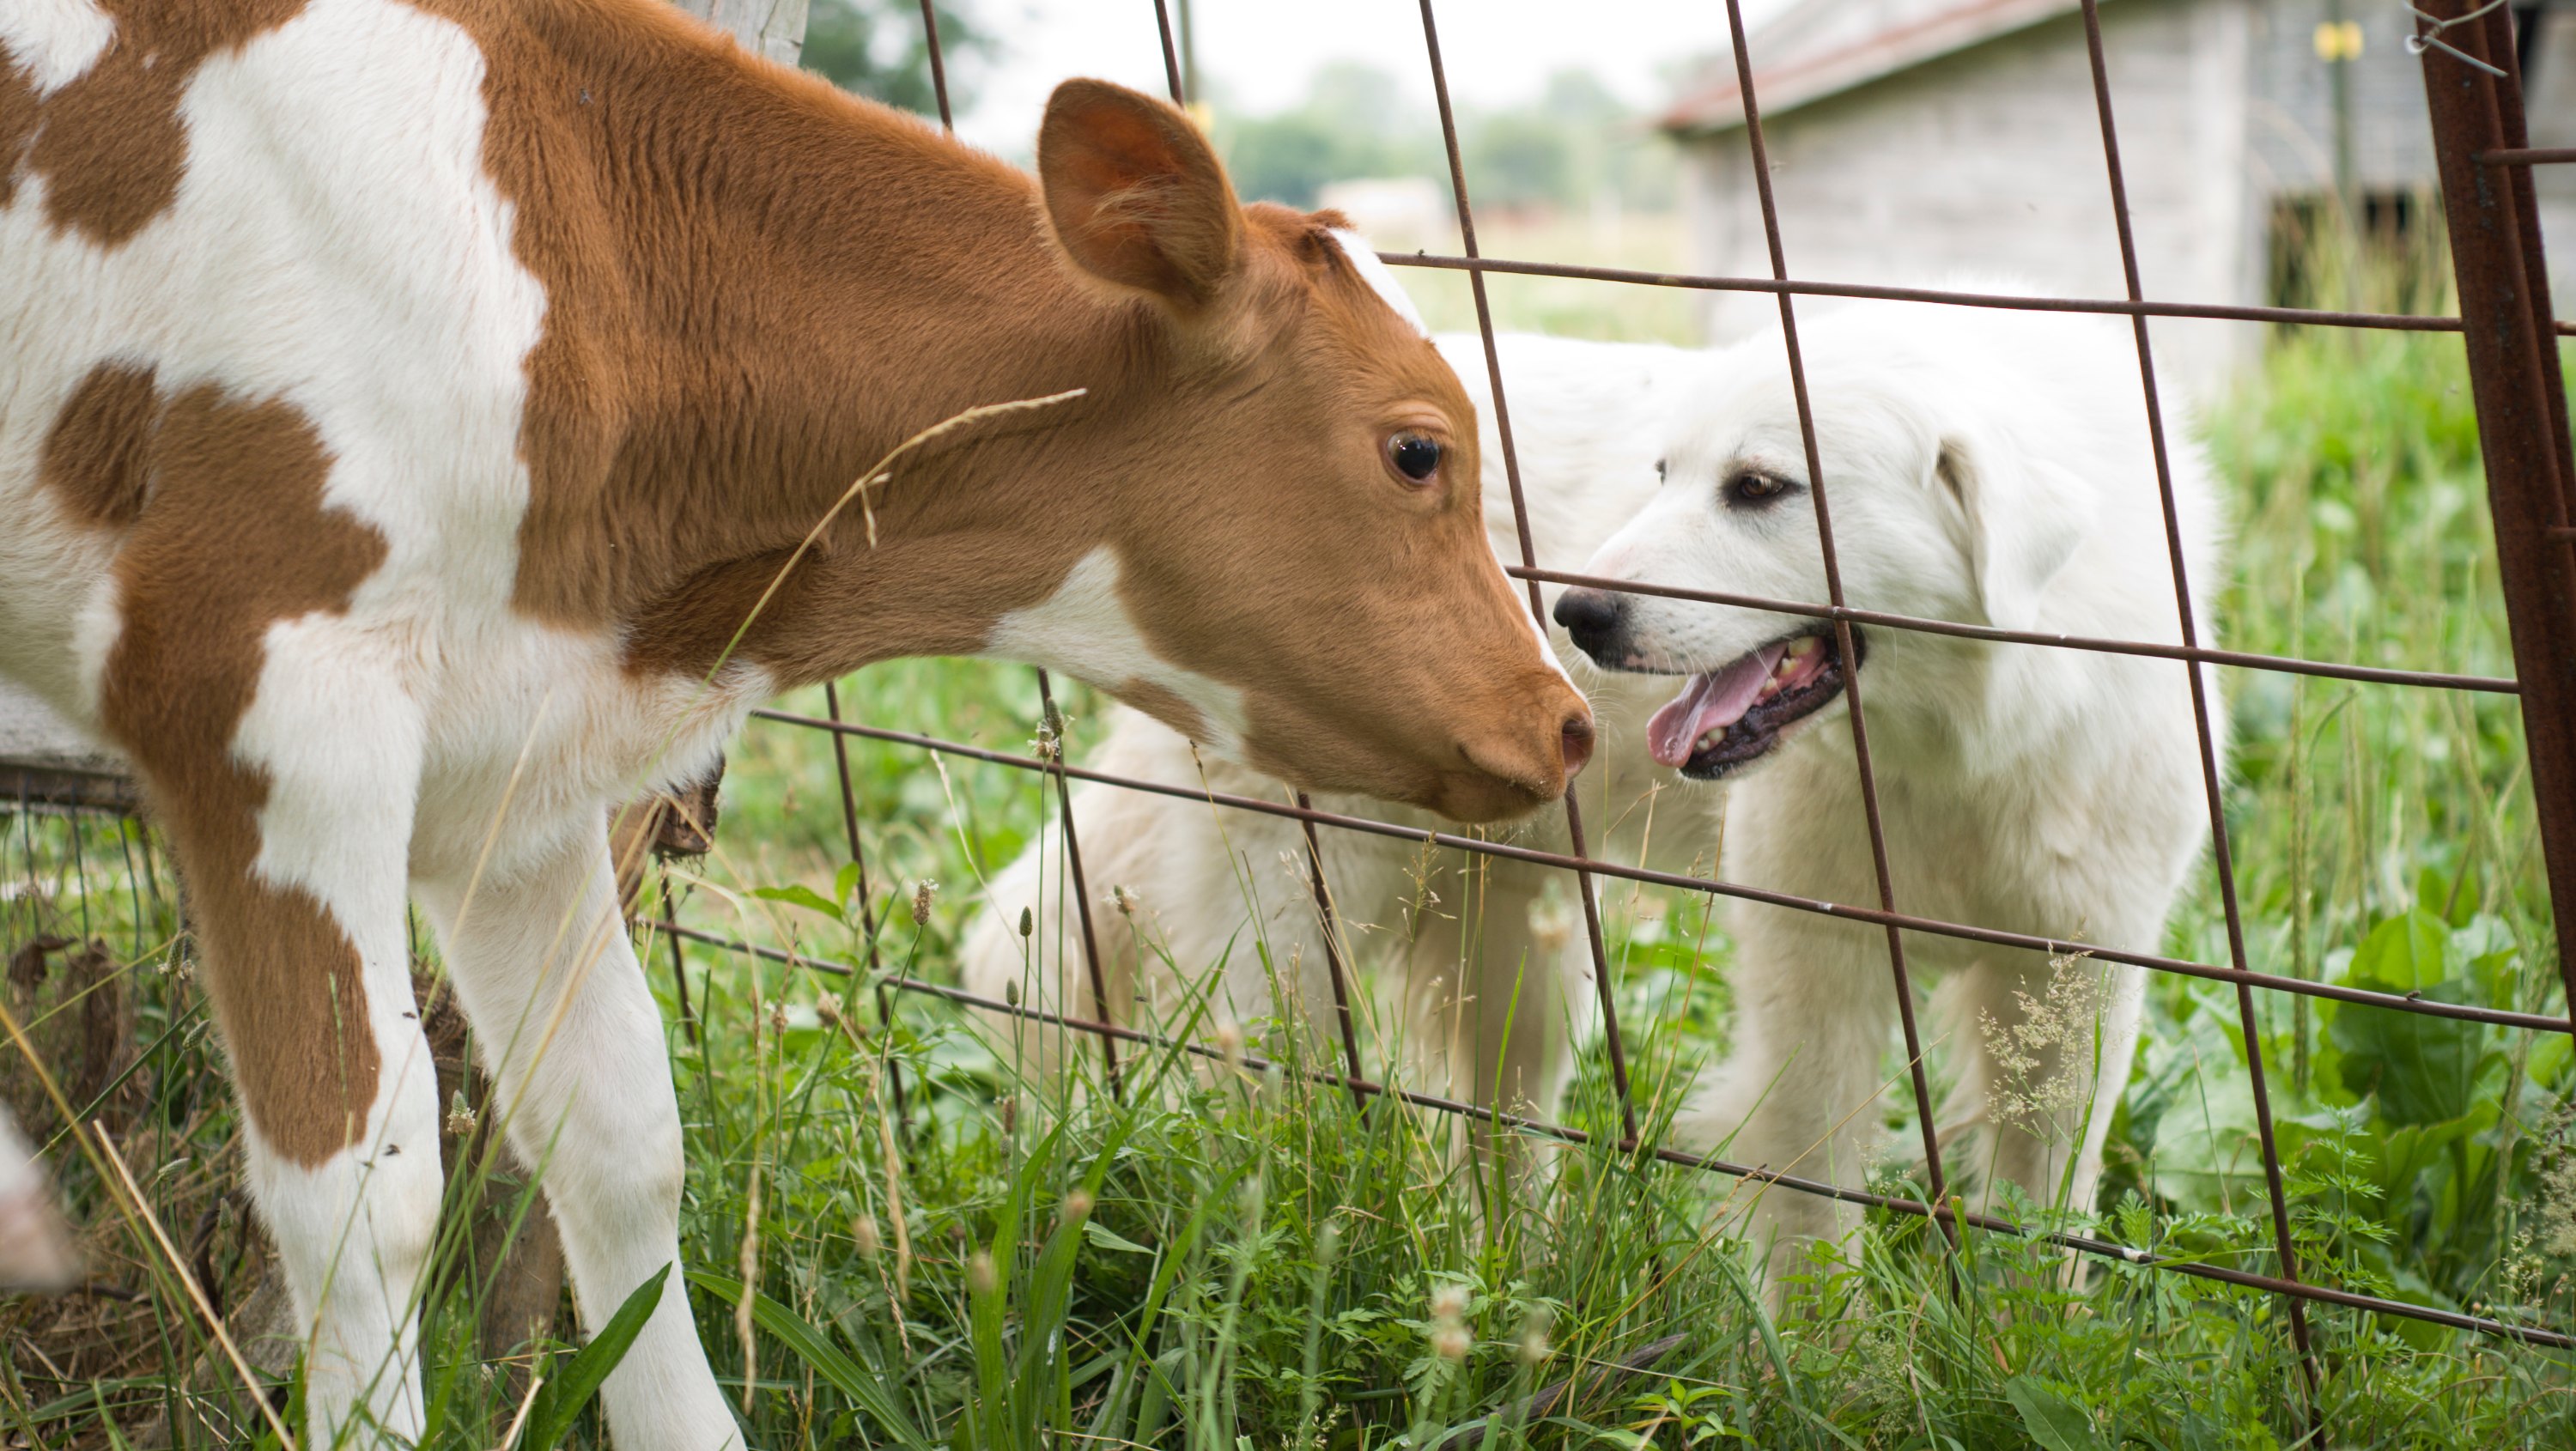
pixel 1981 467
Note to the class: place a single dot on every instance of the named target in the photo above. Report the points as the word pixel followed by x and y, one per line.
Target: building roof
pixel 1819 48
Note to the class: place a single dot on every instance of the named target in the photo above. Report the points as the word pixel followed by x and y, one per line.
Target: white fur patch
pixel 56 41
pixel 1083 630
pixel 1380 277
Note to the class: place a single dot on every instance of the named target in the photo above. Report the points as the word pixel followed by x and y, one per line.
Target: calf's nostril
pixel 1574 739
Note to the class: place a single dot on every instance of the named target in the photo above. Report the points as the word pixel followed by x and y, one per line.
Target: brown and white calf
pixel 404 405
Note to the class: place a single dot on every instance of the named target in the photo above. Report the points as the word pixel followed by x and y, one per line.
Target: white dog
pixel 1983 467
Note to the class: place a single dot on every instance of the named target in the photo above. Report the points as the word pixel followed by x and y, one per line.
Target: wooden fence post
pixel 774 28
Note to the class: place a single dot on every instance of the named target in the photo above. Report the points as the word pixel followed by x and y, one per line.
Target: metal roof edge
pixel 1802 82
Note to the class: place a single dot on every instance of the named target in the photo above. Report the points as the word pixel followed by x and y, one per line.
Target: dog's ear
pixel 2022 527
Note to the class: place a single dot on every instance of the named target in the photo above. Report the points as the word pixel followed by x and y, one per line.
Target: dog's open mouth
pixel 1734 715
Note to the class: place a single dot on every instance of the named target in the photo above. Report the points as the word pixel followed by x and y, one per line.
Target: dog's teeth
pixel 1804 646
pixel 1770 688
pixel 1708 740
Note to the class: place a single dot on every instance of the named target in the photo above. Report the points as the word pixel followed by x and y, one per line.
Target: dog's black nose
pixel 1593 617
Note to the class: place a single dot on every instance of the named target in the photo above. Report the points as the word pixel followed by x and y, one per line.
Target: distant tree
pixel 877 49
pixel 1521 159
pixel 1354 122
pixel 1581 98
pixel 1363 98
pixel 1285 158
pixel 1574 145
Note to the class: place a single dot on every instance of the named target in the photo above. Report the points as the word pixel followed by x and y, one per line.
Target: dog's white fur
pixel 1989 468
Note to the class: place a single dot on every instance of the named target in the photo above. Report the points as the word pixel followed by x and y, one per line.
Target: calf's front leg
pixel 574 1045
pixel 1799 1090
pixel 288 805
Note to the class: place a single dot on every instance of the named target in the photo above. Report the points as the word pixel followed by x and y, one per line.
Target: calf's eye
pixel 1415 455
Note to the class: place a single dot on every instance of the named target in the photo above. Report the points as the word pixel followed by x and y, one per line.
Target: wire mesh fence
pixel 2473 86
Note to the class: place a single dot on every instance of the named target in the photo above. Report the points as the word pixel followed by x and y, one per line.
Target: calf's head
pixel 1290 562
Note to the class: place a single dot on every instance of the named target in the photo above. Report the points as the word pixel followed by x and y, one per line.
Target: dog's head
pixel 1938 509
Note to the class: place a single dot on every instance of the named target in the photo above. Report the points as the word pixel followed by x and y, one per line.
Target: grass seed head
pixel 1534 1349
pixel 924 892
pixel 864 1231
pixel 1551 922
pixel 2053 1031
pixel 980 1278
pixel 2554 1205
pixel 1449 1302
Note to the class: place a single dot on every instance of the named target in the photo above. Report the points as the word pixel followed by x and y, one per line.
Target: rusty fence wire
pixel 2474 92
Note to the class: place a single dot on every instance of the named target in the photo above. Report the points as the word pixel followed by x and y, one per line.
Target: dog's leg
pixel 1493 999
pixel 574 1044
pixel 1178 888
pixel 1535 1016
pixel 1802 1091
pixel 1434 1027
pixel 287 788
pixel 2124 1011
pixel 1045 970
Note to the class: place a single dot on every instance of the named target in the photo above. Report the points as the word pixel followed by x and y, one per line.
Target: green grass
pixel 1204 1266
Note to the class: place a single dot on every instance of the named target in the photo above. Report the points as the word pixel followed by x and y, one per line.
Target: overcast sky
pixel 1263 51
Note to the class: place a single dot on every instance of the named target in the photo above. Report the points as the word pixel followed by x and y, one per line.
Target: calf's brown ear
pixel 1135 194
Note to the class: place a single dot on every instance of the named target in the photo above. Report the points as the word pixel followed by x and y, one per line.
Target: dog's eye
pixel 1755 488
pixel 1414 455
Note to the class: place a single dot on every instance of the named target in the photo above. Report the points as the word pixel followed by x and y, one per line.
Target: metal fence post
pixel 2521 401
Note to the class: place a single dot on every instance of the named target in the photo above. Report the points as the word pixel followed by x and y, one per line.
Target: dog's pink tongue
pixel 1719 698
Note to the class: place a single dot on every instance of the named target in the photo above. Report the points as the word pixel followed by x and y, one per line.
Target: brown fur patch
pixel 756 286
pixel 110 144
pixel 1165 706
pixel 95 454
pixel 234 537
pixel 19 109
pixel 721 360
